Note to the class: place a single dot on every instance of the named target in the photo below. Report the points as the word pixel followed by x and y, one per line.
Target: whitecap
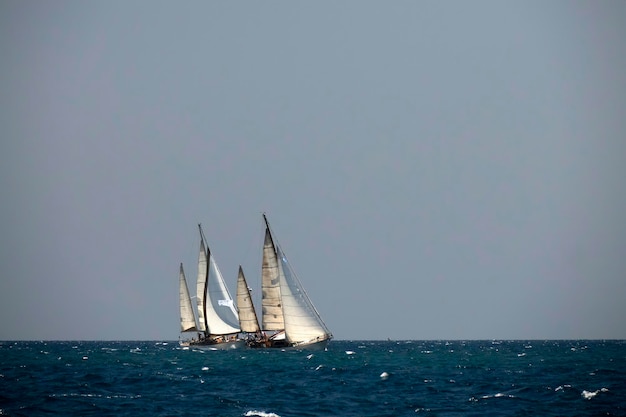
pixel 349 352
pixel 384 375
pixel 309 356
pixel 260 414
pixel 587 395
pixel 205 368
pixel 85 358
pixel 497 395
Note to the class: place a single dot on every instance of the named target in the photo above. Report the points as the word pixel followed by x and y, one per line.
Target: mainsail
pixel 272 317
pixel 247 315
pixel 201 285
pixel 187 318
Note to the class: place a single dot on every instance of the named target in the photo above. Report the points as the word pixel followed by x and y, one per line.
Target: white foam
pixel 349 352
pixel 384 375
pixel 205 368
pixel 260 414
pixel 497 395
pixel 587 395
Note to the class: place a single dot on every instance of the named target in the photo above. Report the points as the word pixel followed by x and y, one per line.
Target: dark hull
pixel 214 345
pixel 283 344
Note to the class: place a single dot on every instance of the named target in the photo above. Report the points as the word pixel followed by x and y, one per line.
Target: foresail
pixel 248 320
pixel 302 322
pixel 187 318
pixel 221 312
pixel 201 286
pixel 272 313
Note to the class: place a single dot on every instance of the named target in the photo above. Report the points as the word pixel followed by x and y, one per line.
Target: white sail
pixel 201 286
pixel 220 310
pixel 187 318
pixel 303 323
pixel 272 313
pixel 248 320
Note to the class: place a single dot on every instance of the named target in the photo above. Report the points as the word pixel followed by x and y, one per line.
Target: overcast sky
pixel 433 170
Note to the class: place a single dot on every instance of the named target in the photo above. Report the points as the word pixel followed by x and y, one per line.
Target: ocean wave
pixel 550 381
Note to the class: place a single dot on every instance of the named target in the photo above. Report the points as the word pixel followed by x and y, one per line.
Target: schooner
pixel 217 322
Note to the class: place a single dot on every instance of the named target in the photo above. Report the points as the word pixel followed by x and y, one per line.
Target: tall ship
pixel 289 319
pixel 215 320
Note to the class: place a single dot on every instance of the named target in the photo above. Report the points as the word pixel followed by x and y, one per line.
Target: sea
pixel 350 378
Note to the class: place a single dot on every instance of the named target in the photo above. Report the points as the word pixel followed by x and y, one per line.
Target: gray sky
pixel 433 170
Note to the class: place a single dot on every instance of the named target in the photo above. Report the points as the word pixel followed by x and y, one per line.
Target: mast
pixel 201 284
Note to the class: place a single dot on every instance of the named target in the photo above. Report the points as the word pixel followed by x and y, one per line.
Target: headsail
pixel 272 317
pixel 247 315
pixel 221 312
pixel 303 323
pixel 187 318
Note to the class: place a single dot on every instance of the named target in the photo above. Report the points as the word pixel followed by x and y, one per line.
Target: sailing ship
pixel 289 318
pixel 217 322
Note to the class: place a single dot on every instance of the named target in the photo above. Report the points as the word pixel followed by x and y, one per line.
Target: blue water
pixel 351 378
